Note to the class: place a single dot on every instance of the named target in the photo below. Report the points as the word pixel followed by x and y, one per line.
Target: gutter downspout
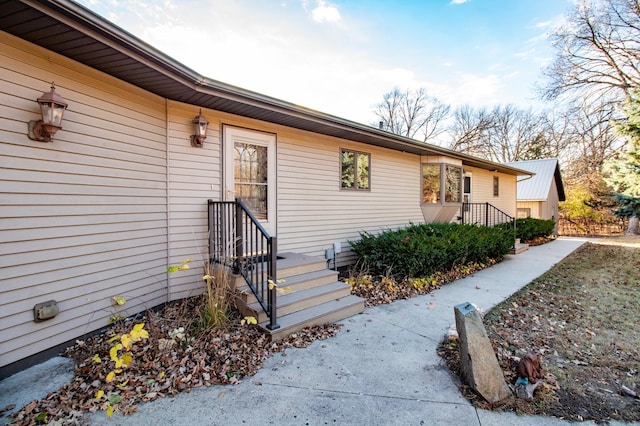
pixel 527 178
pixel 515 230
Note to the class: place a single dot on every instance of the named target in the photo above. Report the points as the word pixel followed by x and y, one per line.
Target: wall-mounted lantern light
pixel 52 108
pixel 200 126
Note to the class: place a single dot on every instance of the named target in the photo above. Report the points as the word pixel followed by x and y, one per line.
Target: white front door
pixel 250 172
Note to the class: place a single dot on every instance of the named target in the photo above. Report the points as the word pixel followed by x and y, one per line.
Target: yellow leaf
pixel 99 394
pixel 110 376
pixel 119 362
pixel 123 384
pixel 250 320
pixel 110 410
pixel 139 332
pixel 206 277
pixel 184 267
pixel 113 352
pixel 119 300
pixel 161 375
pixel 126 340
pixel 127 358
pixel 96 358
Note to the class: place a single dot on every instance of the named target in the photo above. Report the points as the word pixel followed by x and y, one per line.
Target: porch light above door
pixel 200 124
pixel 52 108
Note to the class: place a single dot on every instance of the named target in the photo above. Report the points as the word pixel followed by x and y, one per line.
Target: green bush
pixel 420 250
pixel 530 228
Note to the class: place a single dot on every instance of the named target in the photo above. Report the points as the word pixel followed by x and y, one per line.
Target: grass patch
pixel 584 315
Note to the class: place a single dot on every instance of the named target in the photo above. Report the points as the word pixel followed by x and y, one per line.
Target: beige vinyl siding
pixel 534 207
pixel 313 212
pixel 543 209
pixel 82 219
pixel 550 206
pixel 194 177
pixel 482 189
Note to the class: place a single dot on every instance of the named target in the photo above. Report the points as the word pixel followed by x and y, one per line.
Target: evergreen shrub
pixel 530 228
pixel 421 250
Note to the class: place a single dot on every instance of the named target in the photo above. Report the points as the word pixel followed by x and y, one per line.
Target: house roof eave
pixel 172 80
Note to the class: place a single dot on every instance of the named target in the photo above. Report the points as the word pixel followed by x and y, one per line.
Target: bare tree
pixel 597 67
pixel 558 132
pixel 469 130
pixel 412 113
pixel 389 112
pixel 434 118
pixel 515 135
pixel 592 140
pixel 598 51
pixel 504 134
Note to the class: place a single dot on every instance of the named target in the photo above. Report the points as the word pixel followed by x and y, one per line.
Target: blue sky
pixel 341 56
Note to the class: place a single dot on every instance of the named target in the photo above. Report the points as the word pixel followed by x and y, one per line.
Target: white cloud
pixel 393 77
pixel 273 50
pixel 543 24
pixel 325 12
pixel 475 90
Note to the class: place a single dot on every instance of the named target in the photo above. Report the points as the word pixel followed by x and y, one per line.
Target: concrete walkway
pixel 380 369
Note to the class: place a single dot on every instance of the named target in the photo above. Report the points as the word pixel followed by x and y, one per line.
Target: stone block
pixel 478 362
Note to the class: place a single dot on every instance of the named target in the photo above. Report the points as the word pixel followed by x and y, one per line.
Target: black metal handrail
pixel 484 214
pixel 239 241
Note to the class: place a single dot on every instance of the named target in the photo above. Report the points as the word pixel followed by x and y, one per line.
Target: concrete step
pixel 325 313
pixel 299 300
pixel 519 248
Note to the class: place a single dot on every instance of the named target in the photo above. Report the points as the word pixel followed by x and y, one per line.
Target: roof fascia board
pixel 91 24
pixel 83 20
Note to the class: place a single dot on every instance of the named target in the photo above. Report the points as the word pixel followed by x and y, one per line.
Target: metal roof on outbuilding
pixel 537 187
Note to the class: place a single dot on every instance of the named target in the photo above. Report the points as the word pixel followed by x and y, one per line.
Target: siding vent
pixel 46 310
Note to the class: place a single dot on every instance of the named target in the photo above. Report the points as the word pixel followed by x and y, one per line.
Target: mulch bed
pixel 177 358
pixel 159 368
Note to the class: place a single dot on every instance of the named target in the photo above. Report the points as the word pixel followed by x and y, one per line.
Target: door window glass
pixel 250 177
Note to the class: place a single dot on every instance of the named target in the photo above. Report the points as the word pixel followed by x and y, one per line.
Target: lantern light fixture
pixel 52 107
pixel 200 124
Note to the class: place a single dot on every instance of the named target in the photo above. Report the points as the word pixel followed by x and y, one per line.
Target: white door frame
pixel 231 136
